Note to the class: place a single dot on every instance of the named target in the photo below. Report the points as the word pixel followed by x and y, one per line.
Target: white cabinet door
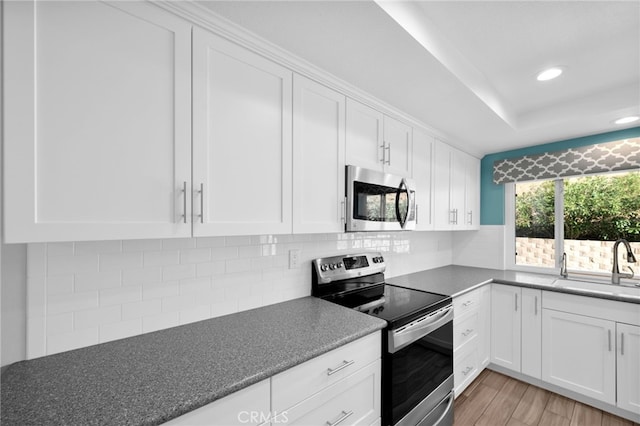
pixel 398 141
pixel 458 180
pixel 578 353
pixel 422 175
pixel 97 121
pixel 318 157
pixel 364 136
pixel 249 406
pixel 241 140
pixel 442 214
pixel 472 193
pixel 531 362
pixel 628 361
pixel 505 326
pixel 484 326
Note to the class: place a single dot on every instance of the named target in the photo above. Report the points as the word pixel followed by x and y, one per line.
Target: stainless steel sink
pixel 598 287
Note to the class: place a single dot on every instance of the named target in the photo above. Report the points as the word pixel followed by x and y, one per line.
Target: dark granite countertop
pixel 154 377
pixel 455 280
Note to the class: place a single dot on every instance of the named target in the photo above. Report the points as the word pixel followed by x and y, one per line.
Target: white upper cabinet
pixel 242 157
pixel 398 142
pixel 318 157
pixel 97 126
pixel 456 189
pixel 423 176
pixel 378 142
pixel 364 136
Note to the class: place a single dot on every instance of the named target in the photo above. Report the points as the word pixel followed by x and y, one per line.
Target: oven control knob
pixel 323 267
pixel 332 266
pixel 339 265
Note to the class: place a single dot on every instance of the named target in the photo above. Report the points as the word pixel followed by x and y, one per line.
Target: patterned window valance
pixel 606 157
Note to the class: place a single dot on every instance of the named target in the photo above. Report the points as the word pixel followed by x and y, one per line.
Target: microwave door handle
pixel 403 184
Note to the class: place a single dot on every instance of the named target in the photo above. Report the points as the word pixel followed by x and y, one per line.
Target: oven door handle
pixel 416 330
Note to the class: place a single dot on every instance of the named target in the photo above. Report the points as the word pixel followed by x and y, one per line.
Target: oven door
pixel 379 201
pixel 418 378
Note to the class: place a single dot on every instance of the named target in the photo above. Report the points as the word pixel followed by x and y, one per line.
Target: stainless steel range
pixel 417 344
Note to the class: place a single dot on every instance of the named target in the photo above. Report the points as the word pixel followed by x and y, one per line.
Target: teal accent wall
pixel 492 195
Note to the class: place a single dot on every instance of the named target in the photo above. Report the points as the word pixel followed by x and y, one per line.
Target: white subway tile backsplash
pixel 95 317
pixel 115 289
pixel 201 255
pixel 68 264
pixel 178 272
pixel 60 324
pixel 97 280
pixel 160 321
pixel 161 258
pixel 120 330
pixel 142 276
pixel 131 260
pixel 120 295
pixel 141 309
pixel 74 340
pixel 61 303
pixel 61 284
pixel 210 242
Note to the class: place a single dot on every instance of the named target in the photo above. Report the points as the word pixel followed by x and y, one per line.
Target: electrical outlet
pixel 294 258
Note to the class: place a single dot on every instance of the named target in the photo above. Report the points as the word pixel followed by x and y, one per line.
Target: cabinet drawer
pixel 302 381
pixel 356 399
pixel 249 406
pixel 466 303
pixel 465 329
pixel 465 369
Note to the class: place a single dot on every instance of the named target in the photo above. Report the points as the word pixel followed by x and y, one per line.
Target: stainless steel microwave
pixel 378 201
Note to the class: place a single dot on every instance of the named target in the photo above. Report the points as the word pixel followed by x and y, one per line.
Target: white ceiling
pixel 467 68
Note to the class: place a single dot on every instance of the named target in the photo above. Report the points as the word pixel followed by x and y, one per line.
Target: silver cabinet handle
pixel 343 416
pixel 389 152
pixel 455 216
pixel 609 335
pixel 384 155
pixel 342 366
pixel 468 303
pixel 184 202
pixel 621 343
pixel 467 332
pixel 417 215
pixel 343 210
pixel 470 217
pixel 467 370
pixel 201 202
pixel 516 302
pixel 536 306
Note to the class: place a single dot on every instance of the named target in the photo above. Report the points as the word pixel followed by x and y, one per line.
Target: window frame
pixel 510 236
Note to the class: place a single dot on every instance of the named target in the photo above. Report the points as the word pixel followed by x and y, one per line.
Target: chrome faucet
pixel 563 266
pixel 615 273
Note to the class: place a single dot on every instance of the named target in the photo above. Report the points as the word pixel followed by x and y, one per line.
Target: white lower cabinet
pixel 516 328
pixel 471 336
pixel 579 354
pixel 628 362
pixel 342 387
pixel 249 406
pixel 592 346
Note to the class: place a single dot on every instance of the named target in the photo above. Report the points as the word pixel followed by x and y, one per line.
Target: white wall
pixel 85 293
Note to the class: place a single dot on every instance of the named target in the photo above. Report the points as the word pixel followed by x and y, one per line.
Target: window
pixel 580 216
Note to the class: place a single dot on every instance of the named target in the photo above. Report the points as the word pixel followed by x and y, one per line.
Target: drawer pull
pixel 467 332
pixel 467 370
pixel 343 416
pixel 342 366
pixel 468 303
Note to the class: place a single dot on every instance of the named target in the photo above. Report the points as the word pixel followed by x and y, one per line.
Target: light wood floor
pixel 497 400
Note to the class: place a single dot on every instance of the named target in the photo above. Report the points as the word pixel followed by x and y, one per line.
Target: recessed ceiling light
pixel 626 120
pixel 549 74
